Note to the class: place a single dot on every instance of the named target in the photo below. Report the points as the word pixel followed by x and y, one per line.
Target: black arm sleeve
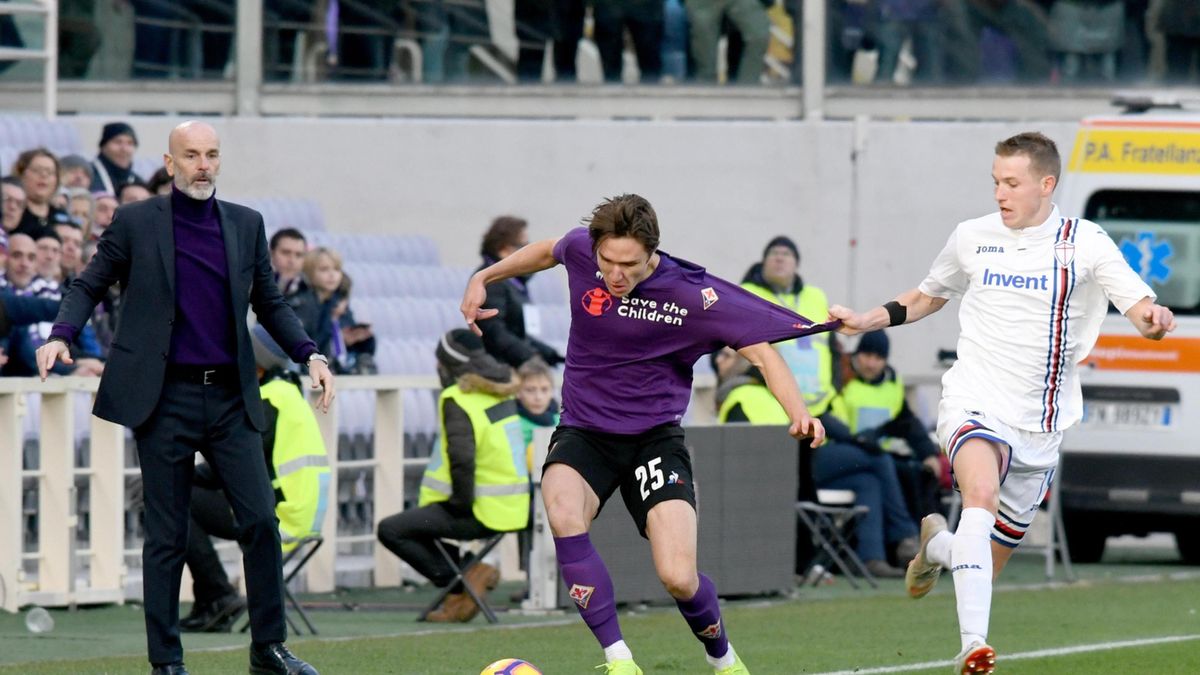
pixel 500 341
pixel 835 429
pixel 460 446
pixel 736 414
pixel 908 426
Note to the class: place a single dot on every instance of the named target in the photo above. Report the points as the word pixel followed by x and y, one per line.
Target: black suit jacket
pixel 138 250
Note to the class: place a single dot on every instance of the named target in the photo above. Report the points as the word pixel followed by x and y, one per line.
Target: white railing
pixel 48 54
pixel 56 561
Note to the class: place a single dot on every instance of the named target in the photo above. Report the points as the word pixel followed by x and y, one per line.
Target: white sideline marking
pixel 1041 653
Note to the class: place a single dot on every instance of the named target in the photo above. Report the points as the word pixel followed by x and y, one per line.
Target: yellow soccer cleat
pixel 738 668
pixel 620 667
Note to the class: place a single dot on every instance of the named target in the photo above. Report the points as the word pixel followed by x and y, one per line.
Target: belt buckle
pixel 207 373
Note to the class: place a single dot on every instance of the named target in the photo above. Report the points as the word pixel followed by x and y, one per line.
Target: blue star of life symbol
pixel 1148 256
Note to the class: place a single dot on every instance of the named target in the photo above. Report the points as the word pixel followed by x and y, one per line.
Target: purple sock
pixel 704 616
pixel 589 585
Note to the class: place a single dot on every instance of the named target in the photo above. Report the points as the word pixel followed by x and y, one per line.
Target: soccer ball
pixel 511 667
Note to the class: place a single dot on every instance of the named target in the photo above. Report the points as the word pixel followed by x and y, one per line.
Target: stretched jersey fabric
pixel 629 360
pixel 1032 304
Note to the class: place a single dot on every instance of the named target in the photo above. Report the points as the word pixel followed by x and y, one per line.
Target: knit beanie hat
pixel 114 129
pixel 782 241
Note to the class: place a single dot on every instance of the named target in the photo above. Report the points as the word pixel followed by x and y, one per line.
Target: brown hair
pixel 26 158
pixel 1041 151
pixel 505 231
pixel 535 368
pixel 627 215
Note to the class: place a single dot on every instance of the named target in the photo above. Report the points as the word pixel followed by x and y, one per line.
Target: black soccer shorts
pixel 651 467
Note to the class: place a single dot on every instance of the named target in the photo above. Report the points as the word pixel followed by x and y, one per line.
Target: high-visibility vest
pixel 301 465
pixel 758 404
pixel 501 478
pixel 809 358
pixel 864 406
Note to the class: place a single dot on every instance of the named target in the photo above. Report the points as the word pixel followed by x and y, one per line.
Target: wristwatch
pixel 316 356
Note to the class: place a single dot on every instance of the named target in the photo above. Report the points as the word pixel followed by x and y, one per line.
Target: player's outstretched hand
pixel 852 322
pixel 322 378
pixel 472 304
pixel 49 353
pixel 808 427
pixel 1160 321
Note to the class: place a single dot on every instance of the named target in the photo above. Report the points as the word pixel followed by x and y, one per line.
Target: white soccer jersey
pixel 1032 304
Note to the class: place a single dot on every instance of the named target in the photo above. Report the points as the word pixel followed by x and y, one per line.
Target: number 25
pixel 652 472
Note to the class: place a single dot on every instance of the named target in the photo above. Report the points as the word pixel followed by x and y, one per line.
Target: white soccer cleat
pixel 923 573
pixel 976 659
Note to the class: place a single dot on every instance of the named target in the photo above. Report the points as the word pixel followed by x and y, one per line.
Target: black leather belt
pixel 226 374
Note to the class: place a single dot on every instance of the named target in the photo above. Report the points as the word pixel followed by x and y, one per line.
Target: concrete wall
pixel 870 203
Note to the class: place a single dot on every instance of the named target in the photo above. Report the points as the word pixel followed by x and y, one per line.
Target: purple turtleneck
pixel 203 334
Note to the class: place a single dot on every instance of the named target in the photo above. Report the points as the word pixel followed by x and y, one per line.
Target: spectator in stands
pixel 298 467
pixel 872 407
pixel 810 358
pixel 535 401
pixel 49 256
pixel 21 278
pixel 106 208
pixel 476 484
pixel 567 29
pixel 38 171
pixel 504 335
pixel 288 247
pixel 113 167
pixel 81 207
pixel 71 262
pixel 1179 21
pixel 1012 38
pixel 451 29
pixel 12 207
pixel 160 182
pixel 324 310
pixel 76 172
pixel 78 37
pixel 915 20
pixel 742 393
pixel 133 191
pixel 1088 35
pixel 644 20
pixel 748 17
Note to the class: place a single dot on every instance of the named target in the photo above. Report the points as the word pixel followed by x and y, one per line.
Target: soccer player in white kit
pixel 1035 286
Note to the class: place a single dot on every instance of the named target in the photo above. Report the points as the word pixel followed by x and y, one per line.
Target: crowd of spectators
pixel 881 41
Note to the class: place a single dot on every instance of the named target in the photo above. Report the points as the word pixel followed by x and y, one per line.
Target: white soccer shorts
pixel 1026 479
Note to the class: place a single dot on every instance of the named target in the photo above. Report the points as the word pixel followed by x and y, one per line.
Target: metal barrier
pixel 47 574
pixel 48 54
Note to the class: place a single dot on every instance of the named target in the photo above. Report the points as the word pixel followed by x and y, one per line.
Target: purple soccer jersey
pixel 629 360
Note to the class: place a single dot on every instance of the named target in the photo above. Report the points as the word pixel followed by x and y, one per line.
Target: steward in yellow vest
pixel 810 358
pixel 476 483
pixel 742 394
pixel 873 409
pixel 298 467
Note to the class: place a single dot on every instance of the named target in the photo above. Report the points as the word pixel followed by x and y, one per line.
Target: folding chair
pixel 830 517
pixel 305 548
pixel 460 570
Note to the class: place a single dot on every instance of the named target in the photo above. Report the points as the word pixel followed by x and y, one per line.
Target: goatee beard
pixel 200 193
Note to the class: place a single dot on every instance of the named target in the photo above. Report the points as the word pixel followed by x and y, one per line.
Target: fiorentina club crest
pixel 582 595
pixel 712 632
pixel 1064 253
pixel 709 296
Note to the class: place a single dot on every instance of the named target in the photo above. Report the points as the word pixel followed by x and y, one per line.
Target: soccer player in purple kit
pixel 640 318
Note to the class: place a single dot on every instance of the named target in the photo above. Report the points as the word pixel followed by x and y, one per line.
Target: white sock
pixel 971 564
pixel 938 549
pixel 617 650
pixel 724 662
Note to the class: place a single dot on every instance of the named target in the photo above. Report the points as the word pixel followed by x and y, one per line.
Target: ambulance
pixel 1132 465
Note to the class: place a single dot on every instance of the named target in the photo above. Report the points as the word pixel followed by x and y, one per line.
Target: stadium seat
pixel 830 517
pixel 460 571
pixel 298 557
